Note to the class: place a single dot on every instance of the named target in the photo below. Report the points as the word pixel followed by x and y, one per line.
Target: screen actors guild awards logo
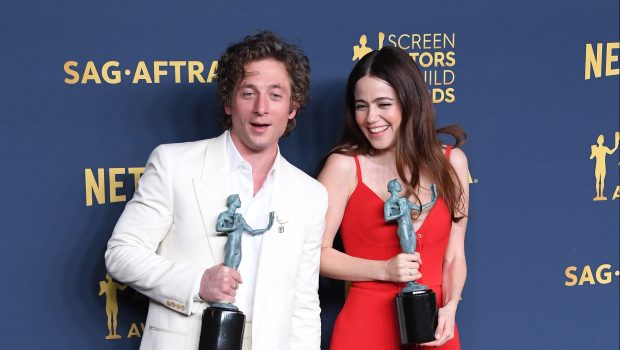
pixel 110 289
pixel 362 50
pixel 599 153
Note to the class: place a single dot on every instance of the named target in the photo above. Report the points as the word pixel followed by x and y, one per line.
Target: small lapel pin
pixel 281 221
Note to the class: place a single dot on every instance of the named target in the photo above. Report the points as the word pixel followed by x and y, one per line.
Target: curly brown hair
pixel 264 44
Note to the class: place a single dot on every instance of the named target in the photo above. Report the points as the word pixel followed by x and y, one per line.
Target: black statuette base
pixel 417 316
pixel 221 329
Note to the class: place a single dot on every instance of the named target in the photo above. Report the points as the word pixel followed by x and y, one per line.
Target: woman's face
pixel 378 112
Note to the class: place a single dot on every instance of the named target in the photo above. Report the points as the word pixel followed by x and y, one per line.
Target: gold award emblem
pixel 362 50
pixel 110 288
pixel 599 152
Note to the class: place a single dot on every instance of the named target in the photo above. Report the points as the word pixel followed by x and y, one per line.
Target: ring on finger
pixel 411 273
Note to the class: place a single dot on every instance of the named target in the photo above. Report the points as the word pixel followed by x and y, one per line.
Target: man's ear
pixel 293 112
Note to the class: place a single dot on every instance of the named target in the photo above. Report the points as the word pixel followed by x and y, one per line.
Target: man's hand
pixel 219 284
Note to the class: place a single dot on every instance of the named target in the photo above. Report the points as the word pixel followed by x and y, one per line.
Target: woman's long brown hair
pixel 418 148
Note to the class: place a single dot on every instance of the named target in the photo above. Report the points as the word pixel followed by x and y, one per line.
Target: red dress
pixel 368 318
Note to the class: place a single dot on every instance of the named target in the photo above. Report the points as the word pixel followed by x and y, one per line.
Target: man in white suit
pixel 165 244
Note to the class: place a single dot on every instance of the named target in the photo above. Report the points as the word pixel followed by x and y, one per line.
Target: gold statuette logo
pixel 110 288
pixel 599 153
pixel 361 50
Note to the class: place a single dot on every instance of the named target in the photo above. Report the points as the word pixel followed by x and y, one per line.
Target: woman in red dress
pixel 390 134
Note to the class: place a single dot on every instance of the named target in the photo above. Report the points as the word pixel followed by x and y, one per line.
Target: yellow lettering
pixel 617 193
pixel 610 58
pixel 391 39
pixel 426 40
pixel 114 185
pixel 447 73
pixel 439 56
pixel 177 69
pixel 438 95
pixel 586 275
pixel 415 41
pixel 603 275
pixel 136 172
pixel 90 73
pixel 437 41
pixel 157 71
pixel 116 74
pixel 93 186
pixel 451 61
pixel 401 38
pixel 450 95
pixel 447 39
pixel 429 59
pixel 593 61
pixel 142 73
pixel 75 77
pixel 211 75
pixel 195 68
pixel 134 331
pixel 569 272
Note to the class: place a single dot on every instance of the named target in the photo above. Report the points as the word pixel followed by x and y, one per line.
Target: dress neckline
pixel 378 198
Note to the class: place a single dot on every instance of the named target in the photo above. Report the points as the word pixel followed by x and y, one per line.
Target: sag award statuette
pixel 222 323
pixel 416 305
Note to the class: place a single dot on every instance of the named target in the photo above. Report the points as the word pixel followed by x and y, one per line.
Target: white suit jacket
pixel 166 238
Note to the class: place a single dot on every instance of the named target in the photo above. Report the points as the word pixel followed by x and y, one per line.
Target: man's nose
pixel 261 106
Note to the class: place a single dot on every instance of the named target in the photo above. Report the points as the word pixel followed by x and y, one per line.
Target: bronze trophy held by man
pixel 222 323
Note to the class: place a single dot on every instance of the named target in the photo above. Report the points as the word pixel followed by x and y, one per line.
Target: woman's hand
pixel 403 268
pixel 445 325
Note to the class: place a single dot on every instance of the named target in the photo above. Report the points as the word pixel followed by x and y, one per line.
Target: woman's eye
pixel 360 107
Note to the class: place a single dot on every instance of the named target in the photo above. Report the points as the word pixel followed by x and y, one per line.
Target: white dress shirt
pixel 255 211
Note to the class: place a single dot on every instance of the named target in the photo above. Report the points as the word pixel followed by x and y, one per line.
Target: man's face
pixel 260 106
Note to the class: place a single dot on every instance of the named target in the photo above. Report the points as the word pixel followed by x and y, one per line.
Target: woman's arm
pixel 454 265
pixel 339 177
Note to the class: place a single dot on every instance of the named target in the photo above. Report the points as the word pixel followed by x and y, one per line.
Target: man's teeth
pixel 378 129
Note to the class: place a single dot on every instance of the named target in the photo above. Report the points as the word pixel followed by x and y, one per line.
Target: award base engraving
pixel 417 316
pixel 222 329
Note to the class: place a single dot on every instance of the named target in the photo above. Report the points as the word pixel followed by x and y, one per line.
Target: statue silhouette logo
pixel 599 152
pixel 110 289
pixel 362 49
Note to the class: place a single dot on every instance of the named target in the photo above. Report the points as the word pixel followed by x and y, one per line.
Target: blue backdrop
pixel 87 90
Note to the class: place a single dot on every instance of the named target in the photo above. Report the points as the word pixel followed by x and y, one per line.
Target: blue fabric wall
pixel 534 84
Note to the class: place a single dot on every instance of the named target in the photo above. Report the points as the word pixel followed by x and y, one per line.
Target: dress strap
pixel 358 169
pixel 448 149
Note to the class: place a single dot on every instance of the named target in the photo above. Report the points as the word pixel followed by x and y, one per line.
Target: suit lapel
pixel 211 189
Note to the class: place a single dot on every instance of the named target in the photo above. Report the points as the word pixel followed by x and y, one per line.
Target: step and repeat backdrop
pixel 88 89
